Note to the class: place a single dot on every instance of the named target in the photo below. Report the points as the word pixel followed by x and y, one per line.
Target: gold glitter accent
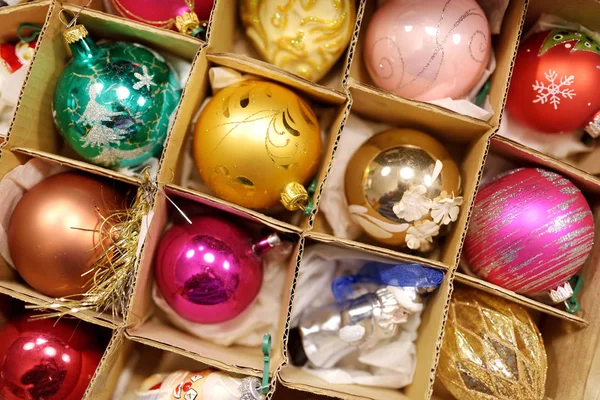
pixel 75 34
pixel 492 350
pixel 294 196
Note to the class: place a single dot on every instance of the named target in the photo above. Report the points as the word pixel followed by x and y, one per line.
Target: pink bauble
pixel 161 13
pixel 427 50
pixel 47 359
pixel 208 271
pixel 531 230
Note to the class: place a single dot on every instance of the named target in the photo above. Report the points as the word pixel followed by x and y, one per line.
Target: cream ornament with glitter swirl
pixel 305 37
pixel 427 50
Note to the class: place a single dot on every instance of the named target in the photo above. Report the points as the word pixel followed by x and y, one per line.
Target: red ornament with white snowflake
pixel 555 82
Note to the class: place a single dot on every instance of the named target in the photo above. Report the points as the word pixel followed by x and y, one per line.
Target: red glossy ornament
pixel 554 85
pixel 47 359
pixel 211 270
pixel 162 13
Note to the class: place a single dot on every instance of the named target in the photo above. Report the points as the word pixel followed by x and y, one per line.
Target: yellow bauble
pixel 403 188
pixel 305 37
pixel 257 143
pixel 492 350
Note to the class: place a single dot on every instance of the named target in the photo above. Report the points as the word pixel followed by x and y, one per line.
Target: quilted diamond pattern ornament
pixel 492 350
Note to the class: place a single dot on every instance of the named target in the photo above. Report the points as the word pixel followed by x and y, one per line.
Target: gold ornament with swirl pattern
pixel 256 143
pixel 491 350
pixel 305 37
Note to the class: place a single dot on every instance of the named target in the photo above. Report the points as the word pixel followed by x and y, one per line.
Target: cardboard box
pixel 348 91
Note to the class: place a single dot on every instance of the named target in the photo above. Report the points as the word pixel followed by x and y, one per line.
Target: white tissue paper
pixel 333 200
pixel 13 187
pixel 248 328
pixel 558 146
pixel 390 365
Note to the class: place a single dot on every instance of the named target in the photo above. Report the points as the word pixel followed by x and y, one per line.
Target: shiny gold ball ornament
pixel 302 37
pixel 491 350
pixel 257 143
pixel 403 188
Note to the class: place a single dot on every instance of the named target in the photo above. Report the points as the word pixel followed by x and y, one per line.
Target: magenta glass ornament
pixel 47 359
pixel 211 270
pixel 427 50
pixel 531 230
pixel 162 13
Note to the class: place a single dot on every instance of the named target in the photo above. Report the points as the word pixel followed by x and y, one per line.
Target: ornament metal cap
pixel 187 22
pixel 593 126
pixel 75 34
pixel 561 293
pixel 294 196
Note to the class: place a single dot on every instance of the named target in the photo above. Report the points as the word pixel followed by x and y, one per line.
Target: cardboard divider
pixel 33 128
pixel 467 151
pixel 10 19
pixel 519 156
pixel 13 308
pixel 227 35
pixel 10 282
pixel 330 105
pixel 427 343
pixel 149 325
pixel 504 44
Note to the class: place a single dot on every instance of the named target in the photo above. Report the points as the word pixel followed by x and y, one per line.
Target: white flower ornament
pixel 445 208
pixel 414 205
pixel 420 236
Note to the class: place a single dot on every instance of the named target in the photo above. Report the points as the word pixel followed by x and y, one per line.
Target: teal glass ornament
pixel 113 102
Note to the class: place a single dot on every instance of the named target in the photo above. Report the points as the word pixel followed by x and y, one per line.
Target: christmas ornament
pixel 553 82
pixel 403 188
pixel 113 101
pixel 491 350
pixel 256 143
pixel 47 359
pixel 305 38
pixel 210 271
pixel 185 15
pixel 204 385
pixel 14 56
pixel 427 50
pixel 111 276
pixel 56 231
pixel 530 231
pixel 388 295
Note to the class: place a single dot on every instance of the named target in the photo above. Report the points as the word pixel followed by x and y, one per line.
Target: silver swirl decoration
pixel 479 41
pixel 385 66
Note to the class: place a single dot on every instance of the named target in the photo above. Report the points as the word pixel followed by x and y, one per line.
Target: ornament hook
pixel 572 304
pixel 266 349
pixel 73 21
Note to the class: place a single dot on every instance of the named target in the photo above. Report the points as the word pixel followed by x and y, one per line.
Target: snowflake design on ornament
pixel 554 92
pixel 145 79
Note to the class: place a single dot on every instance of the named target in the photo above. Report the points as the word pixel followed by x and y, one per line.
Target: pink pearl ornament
pixel 531 230
pixel 210 271
pixel 427 50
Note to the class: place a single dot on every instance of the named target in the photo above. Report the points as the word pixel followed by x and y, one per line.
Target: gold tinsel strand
pixel 114 272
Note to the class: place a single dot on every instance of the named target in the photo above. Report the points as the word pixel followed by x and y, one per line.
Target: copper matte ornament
pixel 53 235
pixel 403 188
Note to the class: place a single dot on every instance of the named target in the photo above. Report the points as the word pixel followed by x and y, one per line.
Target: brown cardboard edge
pixel 51 4
pixel 250 65
pixel 85 315
pixel 357 85
pixel 80 165
pixel 108 357
pixel 212 201
pixel 183 352
pixel 360 11
pixel 375 250
pixel 519 299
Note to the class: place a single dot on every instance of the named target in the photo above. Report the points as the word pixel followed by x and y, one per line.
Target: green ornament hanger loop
pixel 36 30
pixel 572 304
pixel 482 94
pixel 311 191
pixel 266 349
